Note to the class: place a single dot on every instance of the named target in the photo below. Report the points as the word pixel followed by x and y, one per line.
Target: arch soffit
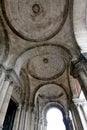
pixel 80 23
pixel 45 86
pixel 50 105
pixel 61 108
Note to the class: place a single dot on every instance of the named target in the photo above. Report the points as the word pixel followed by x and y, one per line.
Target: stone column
pixel 30 117
pixel 4 90
pixel 32 120
pixel 76 117
pixel 72 127
pixel 17 118
pixel 5 95
pixel 27 119
pixel 22 117
pixel 79 71
pixel 40 125
pixel 84 113
pixel 44 126
pixel 6 87
pixel 5 104
pixel 82 116
pixel 2 76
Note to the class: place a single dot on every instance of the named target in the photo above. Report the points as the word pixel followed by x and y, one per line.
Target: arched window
pixel 55 119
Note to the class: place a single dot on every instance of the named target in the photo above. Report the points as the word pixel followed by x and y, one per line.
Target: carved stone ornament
pixel 35 20
pixel 46 66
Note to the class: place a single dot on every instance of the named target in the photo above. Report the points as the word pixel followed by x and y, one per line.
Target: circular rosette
pixel 46 67
pixel 35 20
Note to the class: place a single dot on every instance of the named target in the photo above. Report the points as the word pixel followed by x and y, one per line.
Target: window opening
pixel 55 119
pixel 82 96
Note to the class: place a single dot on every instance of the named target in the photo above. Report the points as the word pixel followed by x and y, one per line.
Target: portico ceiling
pixel 41 41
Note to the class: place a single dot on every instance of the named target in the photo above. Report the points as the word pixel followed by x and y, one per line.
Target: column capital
pixel 78 65
pixel 12 76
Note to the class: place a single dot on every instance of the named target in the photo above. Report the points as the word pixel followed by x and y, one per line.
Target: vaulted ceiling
pixel 39 44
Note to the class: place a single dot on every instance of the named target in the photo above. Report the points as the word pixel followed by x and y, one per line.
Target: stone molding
pixel 25 16
pixel 10 75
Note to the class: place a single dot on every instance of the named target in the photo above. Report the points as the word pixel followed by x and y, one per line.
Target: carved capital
pixel 79 66
pixel 12 76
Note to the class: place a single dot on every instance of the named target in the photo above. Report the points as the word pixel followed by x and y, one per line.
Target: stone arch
pixel 80 23
pixel 31 52
pixel 42 97
pixel 4 42
pixel 57 94
pixel 51 105
pixel 62 110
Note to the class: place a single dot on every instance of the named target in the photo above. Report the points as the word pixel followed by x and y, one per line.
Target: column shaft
pixel 22 118
pixel 17 118
pixel 79 71
pixel 3 92
pixel 76 117
pixel 84 123
pixel 5 104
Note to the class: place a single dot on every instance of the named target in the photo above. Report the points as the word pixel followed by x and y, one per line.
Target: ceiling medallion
pixel 36 8
pixel 45 60
pixel 46 67
pixel 35 20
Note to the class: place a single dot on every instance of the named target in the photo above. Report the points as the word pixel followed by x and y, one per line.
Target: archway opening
pixel 55 119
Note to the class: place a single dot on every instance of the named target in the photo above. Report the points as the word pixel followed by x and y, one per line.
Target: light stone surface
pixel 80 23
pixel 36 20
pixel 38 51
pixel 46 66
